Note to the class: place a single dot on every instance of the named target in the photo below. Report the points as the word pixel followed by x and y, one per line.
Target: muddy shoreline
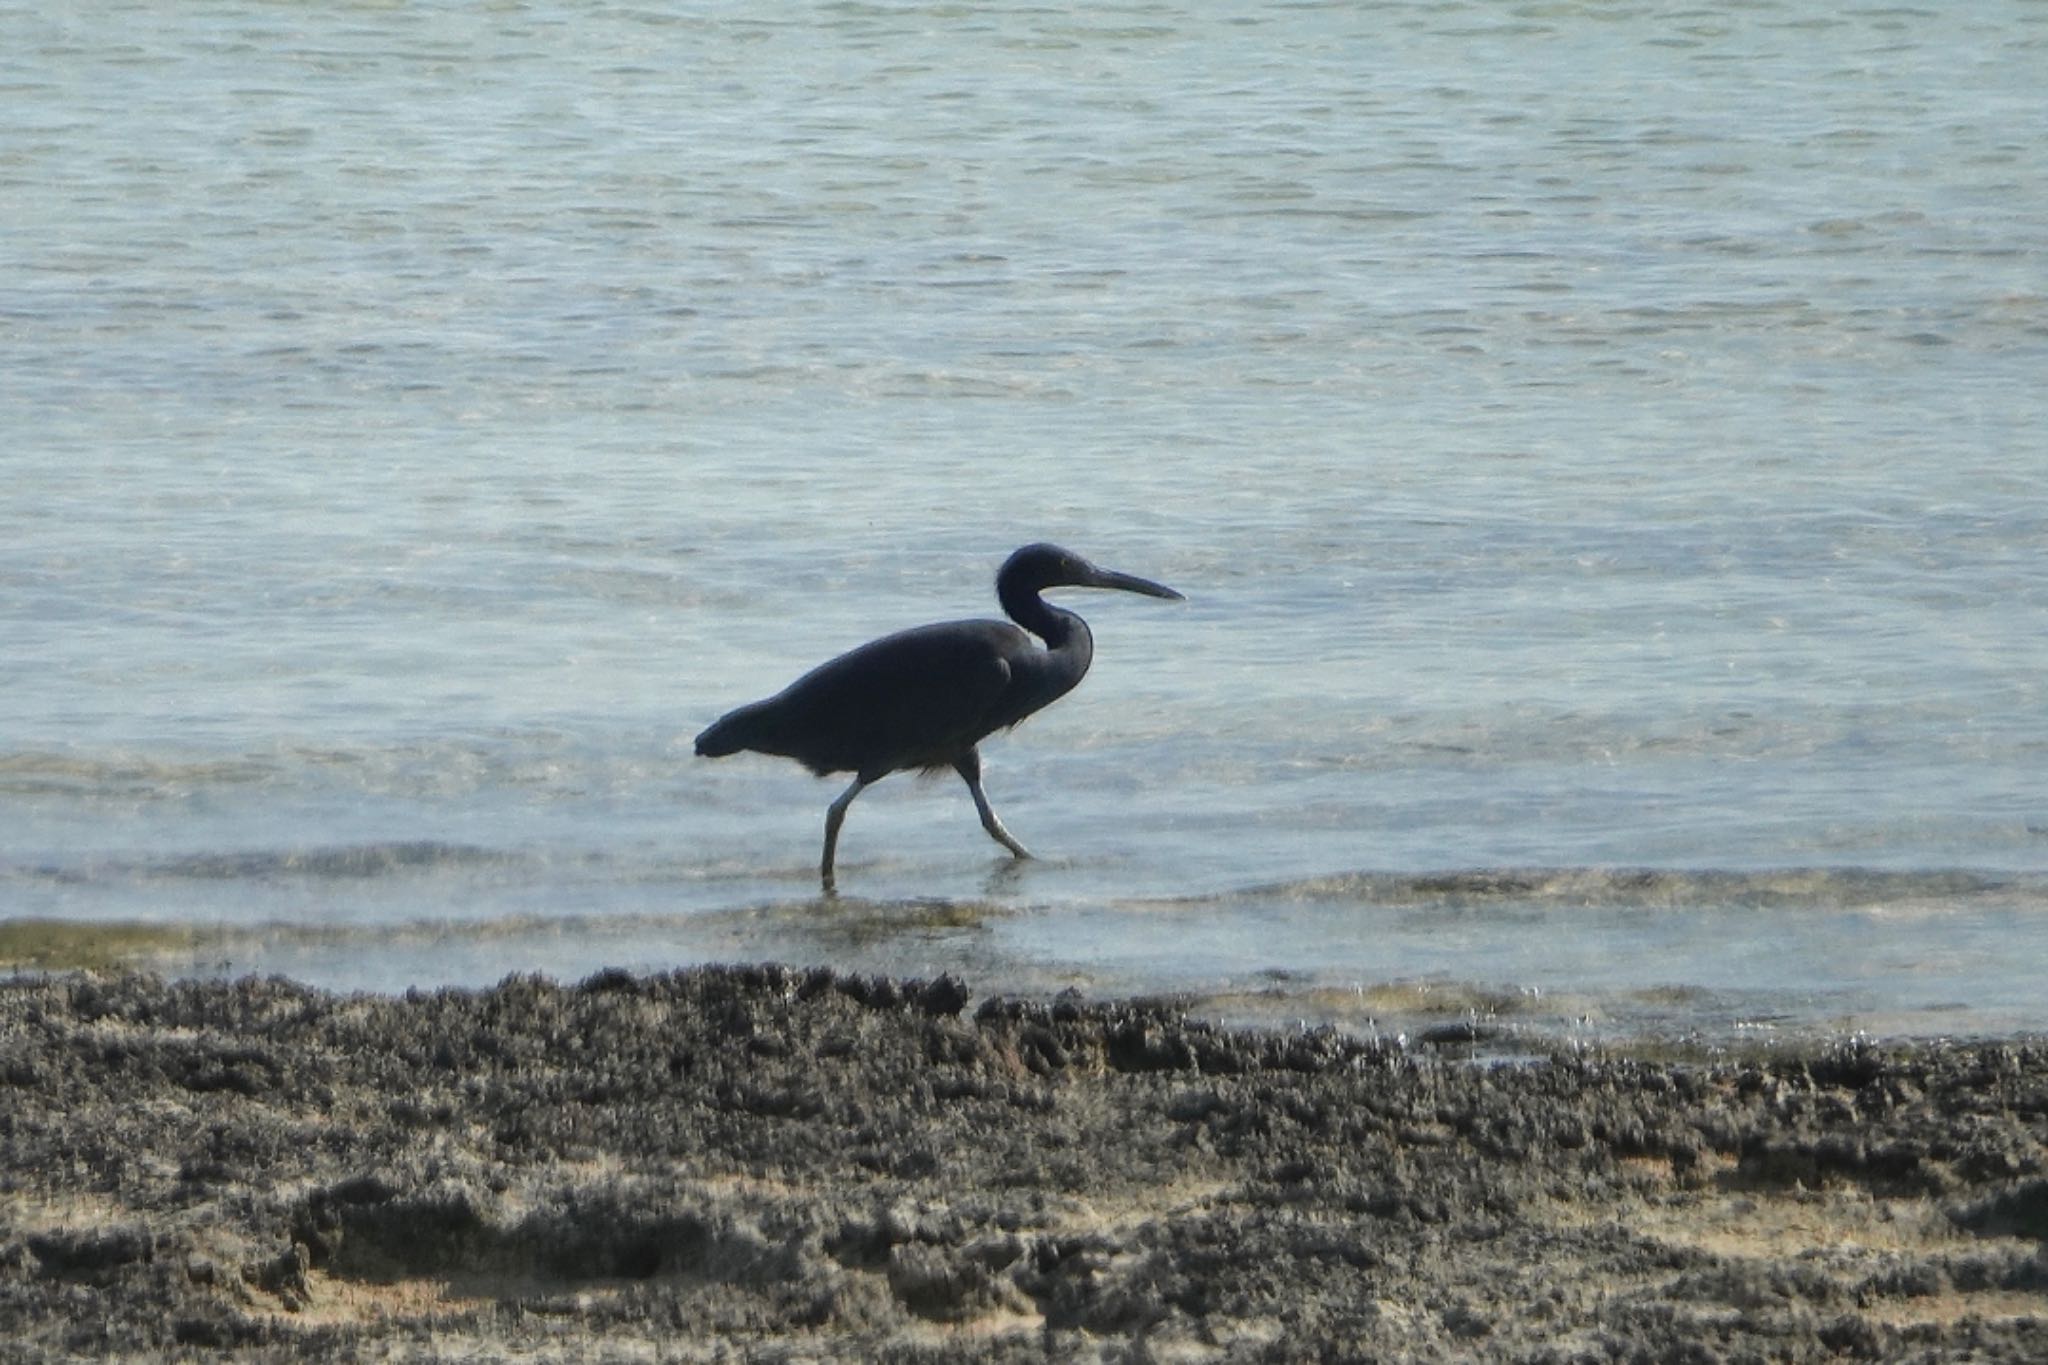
pixel 778 1164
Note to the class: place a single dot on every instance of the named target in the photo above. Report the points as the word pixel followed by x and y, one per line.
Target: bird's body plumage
pixel 916 699
pixel 924 698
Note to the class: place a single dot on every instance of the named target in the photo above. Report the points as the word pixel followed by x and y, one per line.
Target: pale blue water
pixel 1594 440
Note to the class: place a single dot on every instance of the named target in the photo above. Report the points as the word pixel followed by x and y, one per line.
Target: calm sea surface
pixel 1602 446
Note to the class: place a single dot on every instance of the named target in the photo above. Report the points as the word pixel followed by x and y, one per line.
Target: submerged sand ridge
pixel 783 1164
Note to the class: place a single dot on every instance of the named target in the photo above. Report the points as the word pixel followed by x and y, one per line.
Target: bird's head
pixel 1037 567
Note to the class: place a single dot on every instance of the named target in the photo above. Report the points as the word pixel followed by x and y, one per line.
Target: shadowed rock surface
pixel 794 1165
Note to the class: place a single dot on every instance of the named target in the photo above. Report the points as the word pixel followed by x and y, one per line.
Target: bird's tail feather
pixel 730 733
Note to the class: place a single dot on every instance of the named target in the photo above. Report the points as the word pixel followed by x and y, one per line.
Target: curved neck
pixel 1042 677
pixel 1061 630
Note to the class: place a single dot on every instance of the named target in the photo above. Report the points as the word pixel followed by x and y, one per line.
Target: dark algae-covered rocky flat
pixel 774 1164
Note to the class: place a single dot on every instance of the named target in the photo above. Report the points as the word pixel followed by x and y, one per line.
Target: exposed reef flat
pixel 779 1164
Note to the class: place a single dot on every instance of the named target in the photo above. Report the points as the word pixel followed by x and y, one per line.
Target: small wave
pixel 1645 886
pixel 338 863
pixel 39 773
pixel 345 862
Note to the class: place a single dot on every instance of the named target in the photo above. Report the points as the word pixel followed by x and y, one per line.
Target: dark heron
pixel 924 698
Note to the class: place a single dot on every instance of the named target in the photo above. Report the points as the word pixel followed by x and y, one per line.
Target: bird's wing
pixel 917 699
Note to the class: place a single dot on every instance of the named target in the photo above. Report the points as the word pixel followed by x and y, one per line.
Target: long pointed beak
pixel 1105 578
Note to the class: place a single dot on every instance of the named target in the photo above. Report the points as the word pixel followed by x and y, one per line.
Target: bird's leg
pixel 968 765
pixel 835 815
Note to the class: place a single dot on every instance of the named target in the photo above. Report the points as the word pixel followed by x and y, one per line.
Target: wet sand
pixel 773 1164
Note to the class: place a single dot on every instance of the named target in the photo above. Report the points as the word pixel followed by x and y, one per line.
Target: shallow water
pixel 1599 444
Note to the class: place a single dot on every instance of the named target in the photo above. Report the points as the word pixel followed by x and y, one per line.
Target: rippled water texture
pixel 1600 445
